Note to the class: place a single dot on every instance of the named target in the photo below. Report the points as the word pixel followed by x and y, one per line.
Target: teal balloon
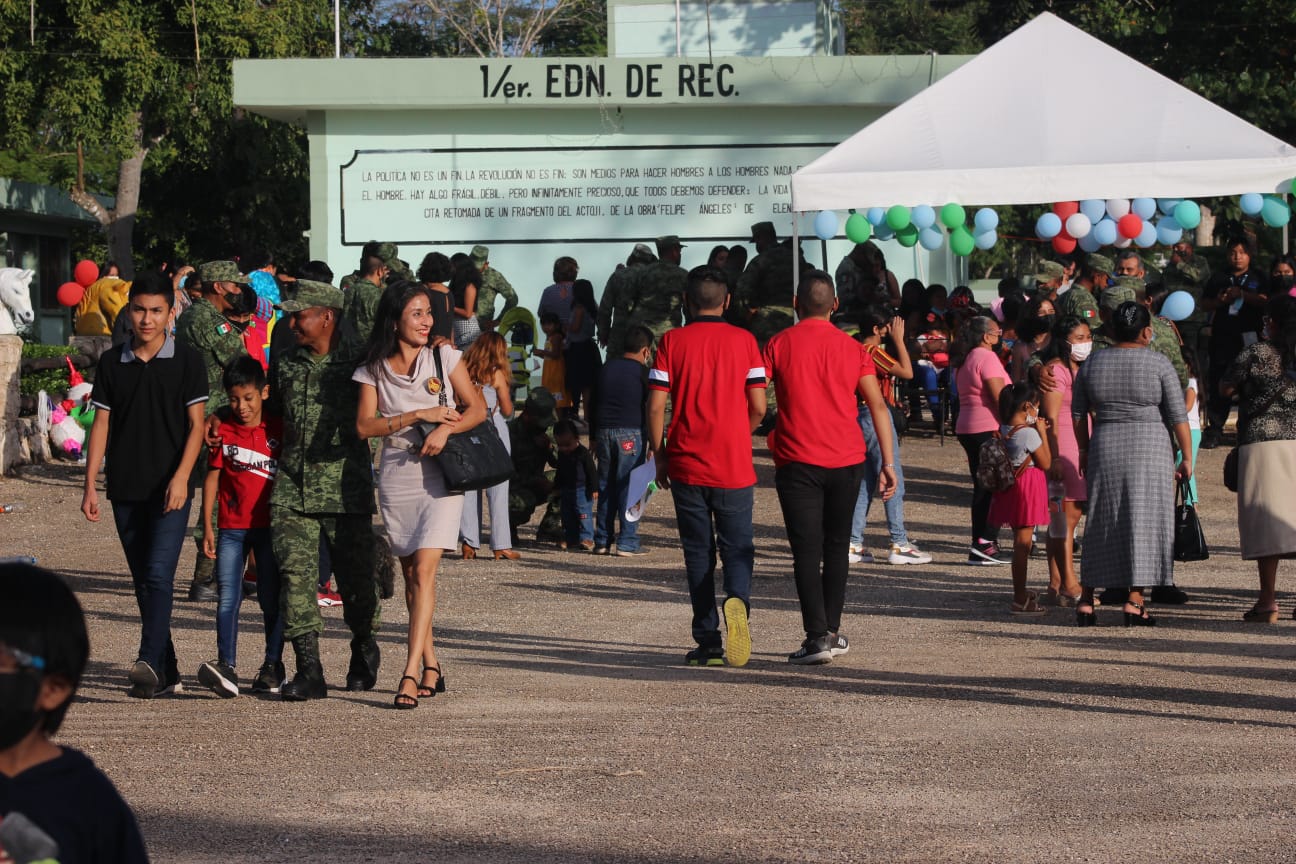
pixel 961 241
pixel 825 225
pixel 1251 203
pixel 858 229
pixel 953 215
pixel 1293 186
pixel 898 217
pixel 1187 214
pixel 1275 212
pixel 923 216
pixel 884 232
pixel 930 238
pixel 875 216
pixel 1178 306
pixel 984 240
pixel 985 220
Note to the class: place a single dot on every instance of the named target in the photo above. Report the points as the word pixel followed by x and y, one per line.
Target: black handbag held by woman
pixel 474 458
pixel 1189 541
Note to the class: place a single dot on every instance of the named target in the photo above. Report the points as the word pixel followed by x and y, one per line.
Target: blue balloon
pixel 825 225
pixel 1147 237
pixel 1178 306
pixel 1145 208
pixel 884 231
pixel 1094 208
pixel 1167 205
pixel 985 220
pixel 1251 203
pixel 1104 231
pixel 1087 243
pixel 1187 214
pixel 930 238
pixel 1048 226
pixel 1169 232
pixel 922 216
pixel 1275 212
pixel 875 215
pixel 984 240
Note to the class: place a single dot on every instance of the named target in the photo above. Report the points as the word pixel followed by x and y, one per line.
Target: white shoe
pixel 907 554
pixel 859 555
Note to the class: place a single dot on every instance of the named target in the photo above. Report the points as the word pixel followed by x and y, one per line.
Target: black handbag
pixel 474 458
pixel 1189 541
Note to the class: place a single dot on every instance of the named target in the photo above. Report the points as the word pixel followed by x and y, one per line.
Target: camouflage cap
pixel 1100 264
pixel 642 254
pixel 390 255
pixel 1193 270
pixel 312 294
pixel 1047 271
pixel 540 404
pixel 1113 297
pixel 480 254
pixel 222 271
pixel 669 241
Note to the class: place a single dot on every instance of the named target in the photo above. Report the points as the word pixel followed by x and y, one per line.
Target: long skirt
pixel 1266 515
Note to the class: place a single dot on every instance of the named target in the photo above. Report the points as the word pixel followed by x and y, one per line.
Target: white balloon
pixel 1123 242
pixel 1117 207
pixel 1078 225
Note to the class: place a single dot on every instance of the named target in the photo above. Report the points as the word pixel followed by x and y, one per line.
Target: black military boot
pixel 308 683
pixel 363 672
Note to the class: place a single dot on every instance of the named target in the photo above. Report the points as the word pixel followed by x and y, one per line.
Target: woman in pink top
pixel 979 377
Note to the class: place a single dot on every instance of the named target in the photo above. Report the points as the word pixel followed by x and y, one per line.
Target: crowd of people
pixel 1072 399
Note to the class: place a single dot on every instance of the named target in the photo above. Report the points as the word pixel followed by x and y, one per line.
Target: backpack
pixel 995 470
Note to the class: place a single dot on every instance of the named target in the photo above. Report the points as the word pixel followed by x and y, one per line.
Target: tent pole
pixel 796 249
pixel 823 253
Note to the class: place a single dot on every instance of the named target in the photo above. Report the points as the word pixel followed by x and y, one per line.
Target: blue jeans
pixel 151 541
pixel 577 516
pixel 712 519
pixel 618 451
pixel 231 551
pixel 872 471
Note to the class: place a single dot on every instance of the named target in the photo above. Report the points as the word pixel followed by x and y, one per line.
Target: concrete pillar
pixel 10 362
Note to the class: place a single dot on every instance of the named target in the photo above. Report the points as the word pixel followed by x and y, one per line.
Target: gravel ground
pixel 571 731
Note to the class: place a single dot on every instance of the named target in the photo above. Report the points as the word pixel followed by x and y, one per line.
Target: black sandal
pixel 405 702
pixel 427 692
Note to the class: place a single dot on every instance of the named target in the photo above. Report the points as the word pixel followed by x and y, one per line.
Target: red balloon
pixel 1063 209
pixel 1063 244
pixel 86 272
pixel 70 293
pixel 1130 225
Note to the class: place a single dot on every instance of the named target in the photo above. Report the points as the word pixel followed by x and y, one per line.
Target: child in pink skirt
pixel 1025 504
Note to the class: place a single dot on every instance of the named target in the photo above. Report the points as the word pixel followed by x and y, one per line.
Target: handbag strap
pixel 441 394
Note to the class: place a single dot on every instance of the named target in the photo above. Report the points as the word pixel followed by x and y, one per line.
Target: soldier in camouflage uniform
pixel 361 298
pixel 1190 272
pixel 1165 339
pixel 389 254
pixel 653 294
pixel 765 289
pixel 611 331
pixel 1079 300
pixel 532 482
pixel 204 327
pixel 493 284
pixel 324 487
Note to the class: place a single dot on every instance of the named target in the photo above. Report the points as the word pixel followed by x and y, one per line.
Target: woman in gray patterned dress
pixel 1128 464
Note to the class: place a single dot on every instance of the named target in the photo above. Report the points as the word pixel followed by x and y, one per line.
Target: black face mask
pixel 1048 320
pixel 18 714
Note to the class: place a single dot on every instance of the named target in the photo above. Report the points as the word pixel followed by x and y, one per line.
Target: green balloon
pixel 898 217
pixel 953 215
pixel 1293 186
pixel 858 229
pixel 961 240
pixel 908 235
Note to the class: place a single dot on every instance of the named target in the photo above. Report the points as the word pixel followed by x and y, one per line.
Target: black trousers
pixel 980 495
pixel 818 505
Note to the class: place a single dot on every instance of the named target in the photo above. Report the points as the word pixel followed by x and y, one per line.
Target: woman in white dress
pixel 401 388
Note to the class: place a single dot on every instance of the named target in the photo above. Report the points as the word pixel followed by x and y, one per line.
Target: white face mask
pixel 1080 351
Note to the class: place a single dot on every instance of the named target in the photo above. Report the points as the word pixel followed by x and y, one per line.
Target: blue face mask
pixel 1007 343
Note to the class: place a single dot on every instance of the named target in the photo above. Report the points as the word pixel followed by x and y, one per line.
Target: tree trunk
pixel 121 231
pixel 1205 235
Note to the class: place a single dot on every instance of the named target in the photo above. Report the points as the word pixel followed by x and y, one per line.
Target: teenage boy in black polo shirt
pixel 148 397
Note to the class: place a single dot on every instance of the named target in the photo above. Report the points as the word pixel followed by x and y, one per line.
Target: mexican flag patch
pixel 223 328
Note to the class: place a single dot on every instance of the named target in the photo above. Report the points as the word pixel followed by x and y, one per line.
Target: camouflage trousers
pixel 350 539
pixel 523 502
pixel 767 323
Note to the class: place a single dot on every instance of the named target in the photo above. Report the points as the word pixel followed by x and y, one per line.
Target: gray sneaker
pixel 813 652
pixel 627 553
pixel 219 677
pixel 837 644
pixel 144 681
pixel 907 554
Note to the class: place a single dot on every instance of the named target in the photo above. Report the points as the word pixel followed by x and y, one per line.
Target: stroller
pixel 518 327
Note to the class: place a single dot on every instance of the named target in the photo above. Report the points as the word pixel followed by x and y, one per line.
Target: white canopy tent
pixel 1002 129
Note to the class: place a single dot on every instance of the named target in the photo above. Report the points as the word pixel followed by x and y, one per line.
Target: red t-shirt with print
pixel 248 459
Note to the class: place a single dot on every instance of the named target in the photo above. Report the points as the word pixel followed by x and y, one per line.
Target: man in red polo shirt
pixel 713 373
pixel 818 452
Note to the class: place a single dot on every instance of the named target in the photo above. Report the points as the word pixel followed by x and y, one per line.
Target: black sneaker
pixel 984 554
pixel 705 655
pixel 144 681
pixel 813 652
pixel 170 683
pixel 219 677
pixel 1169 595
pixel 837 644
pixel 270 678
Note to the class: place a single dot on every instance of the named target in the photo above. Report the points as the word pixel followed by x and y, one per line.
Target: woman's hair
pixel 391 306
pixel 463 272
pixel 1281 312
pixel 970 335
pixel 715 251
pixel 873 256
pixel 1011 399
pixel 435 268
pixel 1190 361
pixel 551 319
pixel 1289 260
pixel 1031 326
pixel 913 298
pixel 1032 307
pixel 486 355
pixel 565 269
pixel 1058 348
pixel 1129 320
pixel 737 258
pixel 583 295
pixel 873 316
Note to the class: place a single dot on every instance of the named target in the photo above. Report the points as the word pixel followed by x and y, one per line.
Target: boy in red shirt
pixel 240 476
pixel 818 452
pixel 713 374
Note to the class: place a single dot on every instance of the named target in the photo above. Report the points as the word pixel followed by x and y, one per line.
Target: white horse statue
pixel 15 300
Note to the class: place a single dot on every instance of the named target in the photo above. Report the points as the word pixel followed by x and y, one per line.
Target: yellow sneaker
pixel 738 643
